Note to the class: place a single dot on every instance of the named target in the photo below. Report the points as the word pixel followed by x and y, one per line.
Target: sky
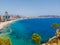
pixel 30 7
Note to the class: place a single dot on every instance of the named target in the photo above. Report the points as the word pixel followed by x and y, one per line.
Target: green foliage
pixel 54 25
pixel 5 41
pixel 36 38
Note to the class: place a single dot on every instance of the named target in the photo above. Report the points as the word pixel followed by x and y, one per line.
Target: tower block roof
pixel 6 13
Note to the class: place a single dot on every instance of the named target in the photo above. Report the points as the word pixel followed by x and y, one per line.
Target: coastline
pixel 3 24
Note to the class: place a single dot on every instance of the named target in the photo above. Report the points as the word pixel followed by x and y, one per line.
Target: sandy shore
pixel 3 24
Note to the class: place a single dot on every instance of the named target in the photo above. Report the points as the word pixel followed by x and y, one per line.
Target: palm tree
pixel 36 38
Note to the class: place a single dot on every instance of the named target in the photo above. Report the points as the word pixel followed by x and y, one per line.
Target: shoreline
pixel 4 24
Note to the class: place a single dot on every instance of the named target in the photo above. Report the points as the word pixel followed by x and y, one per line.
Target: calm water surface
pixel 22 30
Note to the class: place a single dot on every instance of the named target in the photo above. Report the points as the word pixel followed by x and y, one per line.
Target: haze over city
pixel 30 7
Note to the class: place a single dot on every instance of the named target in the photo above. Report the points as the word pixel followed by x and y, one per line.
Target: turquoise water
pixel 22 30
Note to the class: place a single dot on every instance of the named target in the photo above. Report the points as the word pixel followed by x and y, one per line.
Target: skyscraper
pixel 7 17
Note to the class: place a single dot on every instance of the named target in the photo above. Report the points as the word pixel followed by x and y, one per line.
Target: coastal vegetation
pixel 36 38
pixel 5 41
pixel 54 25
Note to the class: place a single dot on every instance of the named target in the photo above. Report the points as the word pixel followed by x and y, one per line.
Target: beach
pixel 3 24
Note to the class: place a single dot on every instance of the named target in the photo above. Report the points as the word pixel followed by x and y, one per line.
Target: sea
pixel 20 32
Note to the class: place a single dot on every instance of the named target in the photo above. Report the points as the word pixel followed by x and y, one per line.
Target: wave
pixel 5 33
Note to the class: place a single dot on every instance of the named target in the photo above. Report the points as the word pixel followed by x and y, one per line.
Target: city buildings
pixel 2 18
pixel 7 17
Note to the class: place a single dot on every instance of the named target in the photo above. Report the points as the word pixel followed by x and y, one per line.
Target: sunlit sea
pixel 20 31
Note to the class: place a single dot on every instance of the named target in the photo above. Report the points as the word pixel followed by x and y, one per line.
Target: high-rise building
pixel 2 18
pixel 7 17
pixel 6 13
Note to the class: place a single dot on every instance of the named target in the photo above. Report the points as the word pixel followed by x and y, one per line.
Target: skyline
pixel 30 7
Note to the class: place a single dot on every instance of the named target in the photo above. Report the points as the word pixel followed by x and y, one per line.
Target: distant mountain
pixel 50 16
